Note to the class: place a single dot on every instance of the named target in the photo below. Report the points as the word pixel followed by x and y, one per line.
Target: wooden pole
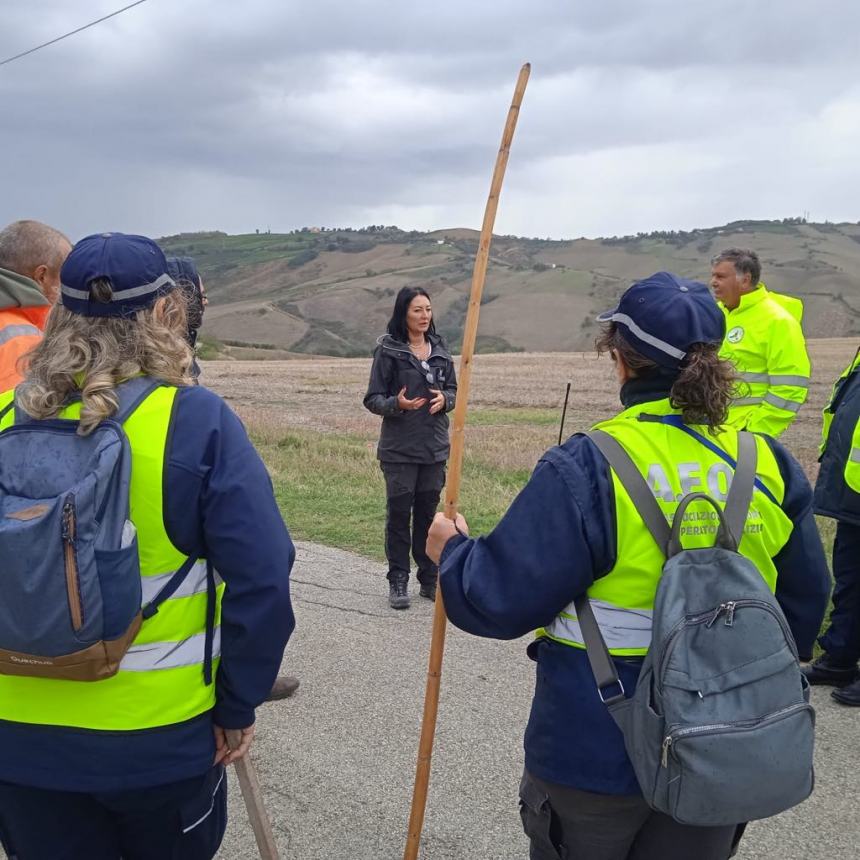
pixel 455 465
pixel 563 413
pixel 252 794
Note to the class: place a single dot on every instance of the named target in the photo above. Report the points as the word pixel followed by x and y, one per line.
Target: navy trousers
pixel 180 821
pixel 842 639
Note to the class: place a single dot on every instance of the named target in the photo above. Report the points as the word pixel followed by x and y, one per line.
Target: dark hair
pixel 184 272
pixel 746 262
pixel 397 323
pixel 702 388
pixel 101 290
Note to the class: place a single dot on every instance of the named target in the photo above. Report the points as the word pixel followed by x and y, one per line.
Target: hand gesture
pixel 407 405
pixel 437 401
pixel 232 744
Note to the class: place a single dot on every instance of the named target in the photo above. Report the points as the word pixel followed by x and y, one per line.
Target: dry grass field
pixel 306 416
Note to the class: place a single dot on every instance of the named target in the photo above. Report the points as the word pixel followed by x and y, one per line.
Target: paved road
pixel 337 760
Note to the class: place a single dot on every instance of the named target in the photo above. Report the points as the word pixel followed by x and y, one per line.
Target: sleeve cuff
pixel 228 717
pixel 452 544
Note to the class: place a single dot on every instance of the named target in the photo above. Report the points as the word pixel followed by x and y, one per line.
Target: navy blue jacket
pixel 218 496
pixel 558 536
pixel 833 497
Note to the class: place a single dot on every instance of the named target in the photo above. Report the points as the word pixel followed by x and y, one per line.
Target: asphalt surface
pixel 337 760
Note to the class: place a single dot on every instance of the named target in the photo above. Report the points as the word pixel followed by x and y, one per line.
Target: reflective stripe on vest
pixel 851 473
pixel 622 629
pixel 21 330
pixel 160 681
pixel 168 655
pixel 782 402
pixel 768 379
pixel 674 464
pixel 194 583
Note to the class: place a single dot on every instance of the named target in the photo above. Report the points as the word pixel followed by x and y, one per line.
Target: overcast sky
pixel 182 115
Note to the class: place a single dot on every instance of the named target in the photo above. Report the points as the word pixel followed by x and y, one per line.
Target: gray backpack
pixel 720 730
pixel 70 588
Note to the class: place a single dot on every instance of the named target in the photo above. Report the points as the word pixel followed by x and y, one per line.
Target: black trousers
pixel 564 823
pixel 842 639
pixel 412 492
pixel 179 821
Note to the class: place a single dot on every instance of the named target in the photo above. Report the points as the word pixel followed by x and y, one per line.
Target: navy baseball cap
pixel 134 265
pixel 662 316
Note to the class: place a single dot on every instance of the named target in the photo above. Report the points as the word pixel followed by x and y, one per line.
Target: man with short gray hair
pixel 31 254
pixel 764 340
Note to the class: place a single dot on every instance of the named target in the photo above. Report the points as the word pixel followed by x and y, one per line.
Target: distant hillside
pixel 330 292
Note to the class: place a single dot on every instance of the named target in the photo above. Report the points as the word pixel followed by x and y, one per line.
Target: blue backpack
pixel 719 730
pixel 70 587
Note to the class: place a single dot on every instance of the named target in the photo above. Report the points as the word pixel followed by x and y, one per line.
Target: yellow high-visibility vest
pixel 674 464
pixel 160 680
pixel 851 471
pixel 764 340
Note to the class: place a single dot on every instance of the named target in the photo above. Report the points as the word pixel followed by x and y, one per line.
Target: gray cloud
pixel 202 115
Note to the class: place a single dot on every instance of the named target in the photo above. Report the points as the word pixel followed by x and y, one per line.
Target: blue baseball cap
pixel 134 265
pixel 662 316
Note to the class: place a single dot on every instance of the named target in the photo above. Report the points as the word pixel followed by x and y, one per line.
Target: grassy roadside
pixel 331 490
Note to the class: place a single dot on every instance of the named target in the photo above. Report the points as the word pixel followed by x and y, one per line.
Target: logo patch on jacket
pixel 735 335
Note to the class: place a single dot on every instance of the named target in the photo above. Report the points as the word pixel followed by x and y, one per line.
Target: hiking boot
pixel 283 688
pixel 825 671
pixel 849 695
pixel 398 594
pixel 428 590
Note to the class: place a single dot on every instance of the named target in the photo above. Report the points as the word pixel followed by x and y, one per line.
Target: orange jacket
pixel 23 312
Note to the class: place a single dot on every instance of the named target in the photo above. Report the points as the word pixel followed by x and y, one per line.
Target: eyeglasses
pixel 430 376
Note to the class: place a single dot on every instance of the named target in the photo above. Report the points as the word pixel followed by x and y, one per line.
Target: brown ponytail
pixel 704 385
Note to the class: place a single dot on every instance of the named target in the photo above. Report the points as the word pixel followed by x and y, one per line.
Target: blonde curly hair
pixel 92 355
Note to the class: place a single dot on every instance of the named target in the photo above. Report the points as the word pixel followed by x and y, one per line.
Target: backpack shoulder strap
pixel 132 393
pixel 740 493
pixel 637 487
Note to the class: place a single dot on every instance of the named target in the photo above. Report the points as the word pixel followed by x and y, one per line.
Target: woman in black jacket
pixel 412 386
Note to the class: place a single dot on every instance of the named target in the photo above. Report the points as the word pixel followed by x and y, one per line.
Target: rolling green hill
pixel 330 292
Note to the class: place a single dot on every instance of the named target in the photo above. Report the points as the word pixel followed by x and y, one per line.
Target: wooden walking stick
pixel 252 794
pixel 452 487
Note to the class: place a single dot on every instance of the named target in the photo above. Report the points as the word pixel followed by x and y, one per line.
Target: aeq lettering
pixel 690 479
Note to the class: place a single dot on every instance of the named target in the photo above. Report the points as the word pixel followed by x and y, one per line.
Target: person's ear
pixel 622 370
pixel 41 275
pixel 48 282
pixel 158 312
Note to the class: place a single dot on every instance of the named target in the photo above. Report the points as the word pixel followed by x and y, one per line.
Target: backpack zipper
pixel 687 621
pixel 71 563
pixel 742 725
pixel 729 607
pixel 767 607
